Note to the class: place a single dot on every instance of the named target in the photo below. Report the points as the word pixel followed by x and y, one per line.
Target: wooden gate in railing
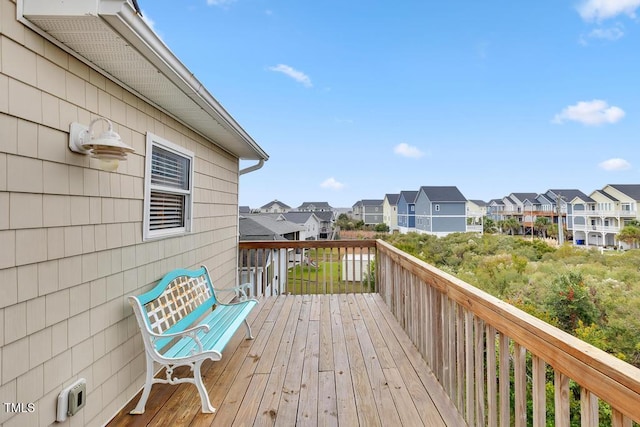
pixel 497 362
pixel 308 267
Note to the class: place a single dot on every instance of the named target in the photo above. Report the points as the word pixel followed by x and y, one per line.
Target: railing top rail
pixel 311 244
pixel 603 374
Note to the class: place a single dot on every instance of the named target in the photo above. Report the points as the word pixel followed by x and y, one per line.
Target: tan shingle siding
pixel 71 234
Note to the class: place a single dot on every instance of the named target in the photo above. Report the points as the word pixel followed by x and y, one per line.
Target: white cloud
pixel 219 2
pixel 406 150
pixel 332 184
pixel 599 10
pixel 590 113
pixel 615 165
pixel 296 75
pixel 613 33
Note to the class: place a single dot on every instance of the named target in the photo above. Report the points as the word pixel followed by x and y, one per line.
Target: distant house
pixel 372 211
pixel 495 209
pixel 274 206
pixel 315 207
pixel 440 210
pixel 265 270
pixel 357 210
pixel 244 209
pixel 563 198
pixel 596 222
pixel 308 220
pixel 476 211
pixel 477 207
pixel 250 229
pixel 390 211
pixel 278 224
pixel 407 211
pixel 325 213
pixel 514 207
pixel 327 221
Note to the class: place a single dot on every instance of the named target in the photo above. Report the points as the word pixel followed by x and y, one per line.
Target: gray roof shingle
pixel 443 193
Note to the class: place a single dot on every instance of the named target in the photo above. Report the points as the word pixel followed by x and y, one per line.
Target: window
pixel 168 193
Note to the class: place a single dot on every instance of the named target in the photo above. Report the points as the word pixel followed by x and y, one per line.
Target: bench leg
pixel 139 409
pixel 207 408
pixel 249 334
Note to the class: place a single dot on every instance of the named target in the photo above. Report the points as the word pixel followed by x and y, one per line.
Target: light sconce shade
pixel 107 147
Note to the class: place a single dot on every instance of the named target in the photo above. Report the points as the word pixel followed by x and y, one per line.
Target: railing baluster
pixel 460 369
pixel 468 336
pixel 479 368
pixel 505 381
pixel 588 409
pixel 520 384
pixel 561 399
pixel 539 392
pixel 619 420
pixel 492 383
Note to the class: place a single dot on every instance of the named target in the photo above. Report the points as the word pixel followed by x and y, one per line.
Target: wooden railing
pixel 499 365
pixel 308 267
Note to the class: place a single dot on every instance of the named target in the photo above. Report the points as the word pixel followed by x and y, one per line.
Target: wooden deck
pixel 316 360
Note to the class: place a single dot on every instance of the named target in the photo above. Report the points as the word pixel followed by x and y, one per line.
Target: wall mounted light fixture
pixel 107 147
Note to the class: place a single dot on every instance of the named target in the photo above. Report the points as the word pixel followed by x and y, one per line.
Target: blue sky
pixel 355 99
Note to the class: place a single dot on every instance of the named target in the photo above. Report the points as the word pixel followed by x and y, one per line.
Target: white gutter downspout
pixel 252 168
pixel 248 169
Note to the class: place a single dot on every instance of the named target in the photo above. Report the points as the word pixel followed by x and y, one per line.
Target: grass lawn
pixel 323 279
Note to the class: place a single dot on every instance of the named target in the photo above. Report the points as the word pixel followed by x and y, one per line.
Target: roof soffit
pixel 110 37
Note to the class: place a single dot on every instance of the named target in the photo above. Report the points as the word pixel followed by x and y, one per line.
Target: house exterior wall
pixel 274 208
pixel 449 224
pixel 312 228
pixel 71 247
pixel 390 215
pixel 626 202
pixel 406 215
pixel 372 215
pixel 450 217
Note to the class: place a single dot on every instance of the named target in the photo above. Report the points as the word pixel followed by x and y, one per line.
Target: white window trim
pixel 155 140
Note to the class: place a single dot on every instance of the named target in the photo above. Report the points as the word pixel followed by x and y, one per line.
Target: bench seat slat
pixel 223 321
pixel 185 322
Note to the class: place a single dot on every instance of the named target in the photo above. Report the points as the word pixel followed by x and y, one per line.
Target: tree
pixel 630 234
pixel 571 303
pixel 382 228
pixel 542 224
pixel 511 225
pixel 488 225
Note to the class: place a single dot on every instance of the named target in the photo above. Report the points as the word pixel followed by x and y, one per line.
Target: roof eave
pixel 177 92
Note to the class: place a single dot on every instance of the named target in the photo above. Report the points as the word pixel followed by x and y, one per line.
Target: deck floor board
pixel 316 360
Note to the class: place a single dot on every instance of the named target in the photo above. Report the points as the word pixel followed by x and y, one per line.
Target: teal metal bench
pixel 183 324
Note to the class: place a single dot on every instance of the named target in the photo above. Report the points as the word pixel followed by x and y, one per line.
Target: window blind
pixel 166 211
pixel 169 169
pixel 170 186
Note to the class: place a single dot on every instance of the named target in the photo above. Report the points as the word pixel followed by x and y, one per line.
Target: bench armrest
pixel 241 291
pixel 191 333
pixel 186 332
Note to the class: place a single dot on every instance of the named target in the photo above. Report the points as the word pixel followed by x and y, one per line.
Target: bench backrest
pixel 177 301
